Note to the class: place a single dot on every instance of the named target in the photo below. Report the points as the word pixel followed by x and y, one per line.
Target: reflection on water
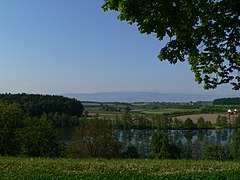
pixel 189 140
pixel 194 139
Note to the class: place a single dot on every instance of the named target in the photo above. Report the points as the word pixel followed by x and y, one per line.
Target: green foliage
pixel 235 147
pixel 131 152
pixel 201 124
pixel 36 105
pixel 189 124
pixel 42 168
pixel 205 32
pixel 177 124
pixel 22 135
pixel 197 150
pixel 222 121
pixel 39 138
pixel 161 147
pixel 11 120
pixel 227 101
pixel 63 120
pixel 212 109
pixel 214 152
pixel 61 111
pixel 94 139
pixel 161 121
pixel 236 122
pixel 174 111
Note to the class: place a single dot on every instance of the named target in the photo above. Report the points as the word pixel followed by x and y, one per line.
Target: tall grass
pixel 43 168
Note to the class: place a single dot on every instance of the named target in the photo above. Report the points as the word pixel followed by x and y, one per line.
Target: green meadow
pixel 171 111
pixel 44 168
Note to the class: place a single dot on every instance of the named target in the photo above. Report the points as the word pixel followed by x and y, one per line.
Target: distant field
pixel 170 111
pixel 207 117
pixel 149 110
pixel 110 114
pixel 42 168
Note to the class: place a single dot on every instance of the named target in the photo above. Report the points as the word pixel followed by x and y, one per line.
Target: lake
pixel 189 140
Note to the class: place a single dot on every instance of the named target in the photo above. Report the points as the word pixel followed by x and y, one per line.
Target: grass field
pixel 170 111
pixel 41 168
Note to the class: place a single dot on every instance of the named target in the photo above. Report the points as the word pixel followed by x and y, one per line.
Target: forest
pixel 61 111
pixel 227 101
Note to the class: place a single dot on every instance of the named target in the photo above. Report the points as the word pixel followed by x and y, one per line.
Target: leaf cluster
pixel 205 32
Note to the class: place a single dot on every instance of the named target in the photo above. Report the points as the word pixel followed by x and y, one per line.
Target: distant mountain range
pixel 142 97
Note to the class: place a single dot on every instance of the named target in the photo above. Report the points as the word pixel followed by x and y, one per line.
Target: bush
pixel 39 139
pixel 11 121
pixel 94 139
pixel 131 152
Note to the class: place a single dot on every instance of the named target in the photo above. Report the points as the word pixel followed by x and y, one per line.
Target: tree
pixel 222 121
pixel 201 123
pixel 206 32
pixel 214 152
pixel 237 121
pixel 39 138
pixel 189 124
pixel 177 123
pixel 11 121
pixel 235 147
pixel 162 148
pixel 197 150
pixel 94 139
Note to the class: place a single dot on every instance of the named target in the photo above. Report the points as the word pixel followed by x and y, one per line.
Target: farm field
pixel 170 111
pixel 142 108
pixel 42 168
pixel 151 110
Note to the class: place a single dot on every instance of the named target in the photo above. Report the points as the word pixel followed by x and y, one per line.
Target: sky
pixel 72 46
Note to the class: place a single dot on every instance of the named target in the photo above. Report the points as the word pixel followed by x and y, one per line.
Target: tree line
pixel 227 101
pixel 61 111
pixel 36 104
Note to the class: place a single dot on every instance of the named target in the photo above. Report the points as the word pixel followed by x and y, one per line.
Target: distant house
pixel 233 111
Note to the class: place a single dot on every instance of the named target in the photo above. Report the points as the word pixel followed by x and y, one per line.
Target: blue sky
pixel 62 46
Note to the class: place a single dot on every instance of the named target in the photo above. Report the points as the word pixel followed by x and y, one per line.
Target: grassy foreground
pixel 42 168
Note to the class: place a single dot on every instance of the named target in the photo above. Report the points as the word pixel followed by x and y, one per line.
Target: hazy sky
pixel 61 46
